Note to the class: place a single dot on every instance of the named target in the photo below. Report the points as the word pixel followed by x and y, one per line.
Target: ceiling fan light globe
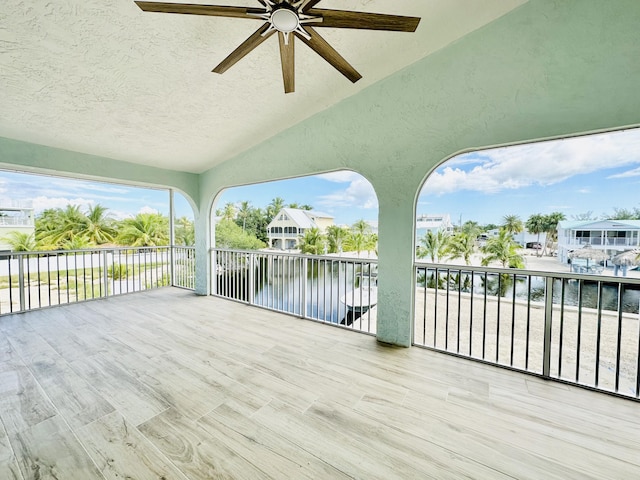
pixel 285 20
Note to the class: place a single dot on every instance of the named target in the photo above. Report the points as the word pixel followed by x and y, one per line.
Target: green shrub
pixel 118 271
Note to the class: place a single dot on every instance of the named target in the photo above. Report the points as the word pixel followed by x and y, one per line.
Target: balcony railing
pixel 579 329
pixel 16 221
pixel 613 242
pixel 31 280
pixel 335 290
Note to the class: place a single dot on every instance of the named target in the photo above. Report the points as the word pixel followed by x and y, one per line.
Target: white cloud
pixel 148 209
pixel 584 190
pixel 629 173
pixel 543 163
pixel 72 184
pixel 359 194
pixel 342 176
pixel 119 214
pixel 43 202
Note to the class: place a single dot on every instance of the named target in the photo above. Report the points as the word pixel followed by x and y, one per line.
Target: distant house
pixel 612 236
pixel 289 225
pixel 433 223
pixel 15 217
pixel 521 238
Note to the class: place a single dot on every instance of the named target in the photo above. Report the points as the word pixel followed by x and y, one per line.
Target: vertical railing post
pixel 304 290
pixel 548 315
pixel 105 272
pixel 252 279
pixel 21 281
pixel 172 239
pixel 214 271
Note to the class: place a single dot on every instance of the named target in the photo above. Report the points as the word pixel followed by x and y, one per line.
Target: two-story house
pixel 289 225
pixel 612 236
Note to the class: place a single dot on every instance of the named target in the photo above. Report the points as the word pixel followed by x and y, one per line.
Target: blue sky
pixel 51 192
pixel 594 173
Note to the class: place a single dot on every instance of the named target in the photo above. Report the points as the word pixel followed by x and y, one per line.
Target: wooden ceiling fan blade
pixel 195 9
pixel 287 58
pixel 326 51
pixel 367 21
pixel 310 4
pixel 245 47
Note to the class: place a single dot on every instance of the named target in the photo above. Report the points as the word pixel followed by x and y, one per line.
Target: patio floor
pixel 167 385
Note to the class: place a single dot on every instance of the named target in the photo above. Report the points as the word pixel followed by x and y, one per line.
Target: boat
pixel 365 296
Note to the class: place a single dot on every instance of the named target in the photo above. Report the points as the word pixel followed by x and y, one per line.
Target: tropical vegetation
pixel 72 228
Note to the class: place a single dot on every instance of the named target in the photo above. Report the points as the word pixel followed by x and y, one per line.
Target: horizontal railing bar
pixel 528 273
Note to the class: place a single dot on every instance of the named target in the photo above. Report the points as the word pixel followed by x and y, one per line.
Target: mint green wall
pixel 29 157
pixel 547 69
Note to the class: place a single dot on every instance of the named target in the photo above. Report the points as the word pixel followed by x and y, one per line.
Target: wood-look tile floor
pixel 168 385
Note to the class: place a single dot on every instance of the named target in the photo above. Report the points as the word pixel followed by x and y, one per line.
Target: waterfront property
pixel 609 236
pixel 288 226
pixel 166 380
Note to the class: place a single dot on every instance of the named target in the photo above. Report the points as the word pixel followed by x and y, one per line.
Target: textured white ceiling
pixel 103 77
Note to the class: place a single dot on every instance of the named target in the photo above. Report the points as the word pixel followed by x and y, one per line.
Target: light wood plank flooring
pixel 168 385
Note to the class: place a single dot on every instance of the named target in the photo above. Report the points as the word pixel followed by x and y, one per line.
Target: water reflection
pixel 566 291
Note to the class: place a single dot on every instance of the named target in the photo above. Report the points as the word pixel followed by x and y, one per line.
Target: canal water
pixel 503 285
pixel 279 285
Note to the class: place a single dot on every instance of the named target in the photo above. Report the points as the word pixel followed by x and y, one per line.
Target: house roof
pixel 302 218
pixel 585 224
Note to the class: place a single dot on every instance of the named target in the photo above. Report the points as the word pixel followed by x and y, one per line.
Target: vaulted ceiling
pixel 105 78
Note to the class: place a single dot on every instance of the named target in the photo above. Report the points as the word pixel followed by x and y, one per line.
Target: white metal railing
pixel 32 280
pixel 614 242
pixel 580 329
pixel 336 290
pixel 13 221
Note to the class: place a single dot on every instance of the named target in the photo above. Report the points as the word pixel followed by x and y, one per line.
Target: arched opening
pixel 65 240
pixel 306 246
pixel 527 257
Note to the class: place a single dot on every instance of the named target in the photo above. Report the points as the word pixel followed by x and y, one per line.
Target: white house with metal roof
pixel 612 236
pixel 289 225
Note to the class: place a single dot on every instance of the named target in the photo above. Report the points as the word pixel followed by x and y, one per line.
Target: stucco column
pixel 203 263
pixel 396 284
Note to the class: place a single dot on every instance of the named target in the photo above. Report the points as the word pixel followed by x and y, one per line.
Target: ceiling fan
pixel 291 19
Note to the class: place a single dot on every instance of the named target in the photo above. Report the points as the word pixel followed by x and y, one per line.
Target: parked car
pixel 534 245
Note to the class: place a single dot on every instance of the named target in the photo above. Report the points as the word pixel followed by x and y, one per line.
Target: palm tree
pixel 470 227
pixel 463 244
pixel 144 230
pixel 243 213
pixel 98 226
pixel 312 242
pixel 512 224
pixel 356 242
pixel 62 226
pixel 336 236
pixel 371 243
pixel 536 223
pixel 78 242
pixel 502 249
pixel 274 208
pixel 551 228
pixel 229 211
pixel 185 232
pixel 434 245
pixel 21 241
pixel 361 226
